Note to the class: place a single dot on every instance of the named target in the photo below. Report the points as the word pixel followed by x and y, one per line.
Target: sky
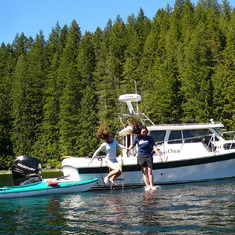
pixel 31 16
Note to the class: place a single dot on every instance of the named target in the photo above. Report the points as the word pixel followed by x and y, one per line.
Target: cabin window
pixel 193 136
pixel 158 136
pixel 175 137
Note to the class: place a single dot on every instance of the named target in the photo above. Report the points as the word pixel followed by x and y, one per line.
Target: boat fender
pixel 51 183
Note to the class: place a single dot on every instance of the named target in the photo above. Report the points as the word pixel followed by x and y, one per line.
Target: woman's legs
pixel 115 170
pixel 148 176
pixel 112 178
pixel 145 176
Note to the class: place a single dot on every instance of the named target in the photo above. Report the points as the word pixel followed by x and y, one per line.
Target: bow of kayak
pixel 46 188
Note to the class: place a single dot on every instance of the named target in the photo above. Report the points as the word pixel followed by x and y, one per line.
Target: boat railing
pixel 226 132
pixel 231 143
pixel 129 99
pixel 142 117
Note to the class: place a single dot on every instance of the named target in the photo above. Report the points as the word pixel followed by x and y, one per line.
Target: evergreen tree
pixel 152 52
pixel 223 80
pixel 187 20
pixel 50 130
pixel 28 103
pixel 225 16
pixel 87 142
pixel 195 75
pixel 137 31
pixel 37 73
pixel 87 124
pixel 97 41
pixel 69 92
pixel 109 72
pixel 86 60
pixel 161 95
pixel 21 45
pixel 57 40
pixel 6 64
pixel 21 114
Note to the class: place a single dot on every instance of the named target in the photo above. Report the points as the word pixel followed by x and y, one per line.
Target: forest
pixel 55 93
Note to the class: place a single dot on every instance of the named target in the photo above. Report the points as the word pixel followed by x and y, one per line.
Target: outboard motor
pixel 26 169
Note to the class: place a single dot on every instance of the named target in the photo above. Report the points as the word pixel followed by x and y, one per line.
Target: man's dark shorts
pixel 145 161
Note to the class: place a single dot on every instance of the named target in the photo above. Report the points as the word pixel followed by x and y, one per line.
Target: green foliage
pixel 6 68
pixel 54 94
pixel 52 163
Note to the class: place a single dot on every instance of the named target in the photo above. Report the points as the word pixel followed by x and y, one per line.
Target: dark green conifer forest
pixel 55 93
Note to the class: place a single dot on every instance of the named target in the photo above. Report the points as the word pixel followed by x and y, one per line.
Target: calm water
pixel 200 208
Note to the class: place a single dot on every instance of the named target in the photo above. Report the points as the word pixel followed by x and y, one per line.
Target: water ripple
pixel 202 208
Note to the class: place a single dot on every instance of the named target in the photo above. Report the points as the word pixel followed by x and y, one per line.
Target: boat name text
pixel 25 167
pixel 173 151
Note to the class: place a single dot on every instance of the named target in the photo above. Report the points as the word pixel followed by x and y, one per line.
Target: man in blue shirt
pixel 145 145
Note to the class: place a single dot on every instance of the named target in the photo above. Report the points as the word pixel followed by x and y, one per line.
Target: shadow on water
pixel 203 208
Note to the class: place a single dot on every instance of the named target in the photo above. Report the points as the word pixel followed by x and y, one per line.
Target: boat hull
pixel 46 188
pixel 170 172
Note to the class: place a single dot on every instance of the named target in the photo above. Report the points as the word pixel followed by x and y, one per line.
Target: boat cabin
pixel 176 141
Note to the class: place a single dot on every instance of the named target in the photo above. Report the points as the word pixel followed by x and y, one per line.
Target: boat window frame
pixel 189 138
pixel 175 140
pixel 162 133
pixel 195 135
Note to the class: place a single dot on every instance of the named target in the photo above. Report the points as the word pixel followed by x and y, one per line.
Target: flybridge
pixel 128 99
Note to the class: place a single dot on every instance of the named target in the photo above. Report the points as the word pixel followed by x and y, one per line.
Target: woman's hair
pixel 103 134
pixel 144 127
pixel 136 125
pixel 137 129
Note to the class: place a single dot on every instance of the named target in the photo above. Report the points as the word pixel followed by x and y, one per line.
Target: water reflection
pixel 180 209
pixel 94 212
pixel 149 209
pixel 35 214
pixel 113 212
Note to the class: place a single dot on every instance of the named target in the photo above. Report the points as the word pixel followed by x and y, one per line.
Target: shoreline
pixel 5 172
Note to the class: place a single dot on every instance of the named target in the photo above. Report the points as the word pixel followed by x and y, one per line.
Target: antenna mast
pixel 137 106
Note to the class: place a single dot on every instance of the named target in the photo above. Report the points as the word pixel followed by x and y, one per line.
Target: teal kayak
pixel 46 188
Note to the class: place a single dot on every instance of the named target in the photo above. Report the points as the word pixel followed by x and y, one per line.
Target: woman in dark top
pixel 145 145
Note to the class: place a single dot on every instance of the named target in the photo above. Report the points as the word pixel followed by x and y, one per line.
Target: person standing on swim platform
pixel 145 145
pixel 110 146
